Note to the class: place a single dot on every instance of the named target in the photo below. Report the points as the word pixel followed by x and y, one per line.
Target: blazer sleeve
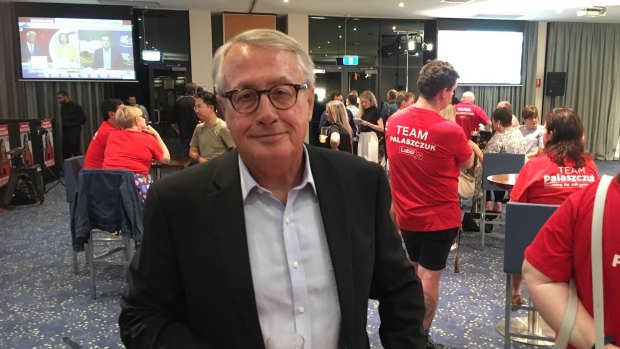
pixel 394 283
pixel 152 311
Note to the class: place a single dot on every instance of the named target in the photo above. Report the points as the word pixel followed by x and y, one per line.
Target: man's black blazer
pixel 191 283
pixel 115 57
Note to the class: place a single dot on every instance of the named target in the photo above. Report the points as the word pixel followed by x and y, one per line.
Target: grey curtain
pixel 589 53
pixel 37 99
pixel 487 97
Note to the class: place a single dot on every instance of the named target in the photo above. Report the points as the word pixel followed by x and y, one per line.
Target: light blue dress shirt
pixel 292 272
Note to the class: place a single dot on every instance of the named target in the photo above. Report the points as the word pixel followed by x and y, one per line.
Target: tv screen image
pixel 482 57
pixel 76 48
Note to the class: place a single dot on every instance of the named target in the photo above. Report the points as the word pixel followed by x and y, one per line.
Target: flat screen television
pixel 76 49
pixel 483 57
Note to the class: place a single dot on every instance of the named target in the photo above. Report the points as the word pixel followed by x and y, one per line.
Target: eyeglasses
pixel 247 100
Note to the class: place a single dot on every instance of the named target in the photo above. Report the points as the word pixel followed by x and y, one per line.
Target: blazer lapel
pixel 226 207
pixel 337 231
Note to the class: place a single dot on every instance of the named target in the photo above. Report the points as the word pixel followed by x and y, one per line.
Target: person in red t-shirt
pixel 134 147
pixel 561 251
pixel 96 148
pixel 469 115
pixel 561 169
pixel 425 153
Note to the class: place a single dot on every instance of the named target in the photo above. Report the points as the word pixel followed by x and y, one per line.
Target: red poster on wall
pixel 5 160
pixel 26 143
pixel 48 143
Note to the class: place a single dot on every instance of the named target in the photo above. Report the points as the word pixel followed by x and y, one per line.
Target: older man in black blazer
pixel 276 237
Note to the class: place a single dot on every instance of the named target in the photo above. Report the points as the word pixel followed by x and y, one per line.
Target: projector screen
pixel 482 57
pixel 76 49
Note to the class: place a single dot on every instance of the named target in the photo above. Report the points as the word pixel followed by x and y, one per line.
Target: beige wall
pixel 540 63
pixel 298 29
pixel 201 48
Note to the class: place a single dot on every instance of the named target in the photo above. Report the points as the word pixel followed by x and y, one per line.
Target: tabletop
pixel 504 180
pixel 175 162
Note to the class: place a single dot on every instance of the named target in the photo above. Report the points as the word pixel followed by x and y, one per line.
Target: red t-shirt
pixel 469 115
pixel 542 181
pixel 96 148
pixel 131 150
pixel 425 151
pixel 561 250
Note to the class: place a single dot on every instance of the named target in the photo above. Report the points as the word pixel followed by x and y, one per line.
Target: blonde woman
pixel 340 133
pixel 370 124
pixel 134 147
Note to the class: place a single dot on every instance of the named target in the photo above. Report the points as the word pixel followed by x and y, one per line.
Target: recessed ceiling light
pixel 285 0
pixel 401 4
pixel 394 28
pixel 329 42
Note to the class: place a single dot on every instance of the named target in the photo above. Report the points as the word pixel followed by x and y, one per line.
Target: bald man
pixel 469 115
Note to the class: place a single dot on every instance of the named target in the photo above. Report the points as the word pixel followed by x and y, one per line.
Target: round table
pixel 504 180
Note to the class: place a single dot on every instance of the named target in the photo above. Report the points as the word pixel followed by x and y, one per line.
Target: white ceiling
pixel 531 10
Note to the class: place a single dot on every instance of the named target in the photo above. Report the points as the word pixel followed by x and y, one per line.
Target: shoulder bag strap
pixel 597 260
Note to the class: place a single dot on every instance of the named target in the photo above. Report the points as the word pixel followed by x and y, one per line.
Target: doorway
pixel 344 79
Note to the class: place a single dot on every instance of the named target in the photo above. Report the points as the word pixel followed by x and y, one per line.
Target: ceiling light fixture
pixel 594 11
pixel 401 4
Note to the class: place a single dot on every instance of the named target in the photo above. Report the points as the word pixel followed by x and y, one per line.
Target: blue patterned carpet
pixel 42 301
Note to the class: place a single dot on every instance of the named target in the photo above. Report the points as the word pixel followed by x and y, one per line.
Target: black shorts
pixel 430 248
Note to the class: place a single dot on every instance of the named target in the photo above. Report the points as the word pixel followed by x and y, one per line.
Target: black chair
pixel 523 221
pixel 108 209
pixel 72 167
pixel 496 163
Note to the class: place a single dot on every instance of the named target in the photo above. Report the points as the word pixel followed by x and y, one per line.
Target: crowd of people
pixel 288 241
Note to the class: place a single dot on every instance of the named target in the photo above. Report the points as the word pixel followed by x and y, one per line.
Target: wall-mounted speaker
pixel 555 83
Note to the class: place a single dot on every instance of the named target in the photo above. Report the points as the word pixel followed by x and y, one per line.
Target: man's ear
pixel 310 102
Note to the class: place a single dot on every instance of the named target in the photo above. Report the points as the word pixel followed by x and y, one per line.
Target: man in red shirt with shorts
pixel 425 153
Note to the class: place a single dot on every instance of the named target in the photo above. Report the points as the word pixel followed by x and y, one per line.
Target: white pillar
pixel 201 48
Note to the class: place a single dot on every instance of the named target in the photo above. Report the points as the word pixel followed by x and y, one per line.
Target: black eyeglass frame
pixel 296 87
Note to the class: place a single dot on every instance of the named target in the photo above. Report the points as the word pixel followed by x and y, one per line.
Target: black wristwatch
pixel 608 340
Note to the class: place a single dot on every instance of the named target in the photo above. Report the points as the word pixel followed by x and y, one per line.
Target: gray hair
pixel 469 96
pixel 263 38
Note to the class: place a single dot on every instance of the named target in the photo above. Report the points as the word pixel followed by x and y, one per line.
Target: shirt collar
pixel 248 184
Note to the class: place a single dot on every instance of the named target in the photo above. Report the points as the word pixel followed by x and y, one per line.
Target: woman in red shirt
pixel 559 170
pixel 134 147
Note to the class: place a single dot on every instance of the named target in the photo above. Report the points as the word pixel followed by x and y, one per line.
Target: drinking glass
pixel 323 135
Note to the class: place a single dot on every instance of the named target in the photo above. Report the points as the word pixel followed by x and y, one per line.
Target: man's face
pixel 446 96
pixel 105 42
pixel 31 38
pixel 202 109
pixel 132 101
pixel 338 98
pixel 267 133
pixel 62 99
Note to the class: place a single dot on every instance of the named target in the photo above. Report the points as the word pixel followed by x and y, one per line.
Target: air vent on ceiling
pixel 594 11
pixel 456 1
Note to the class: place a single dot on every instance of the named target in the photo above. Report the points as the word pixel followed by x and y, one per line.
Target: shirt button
pixel 286 220
pixel 301 309
pixel 295 264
